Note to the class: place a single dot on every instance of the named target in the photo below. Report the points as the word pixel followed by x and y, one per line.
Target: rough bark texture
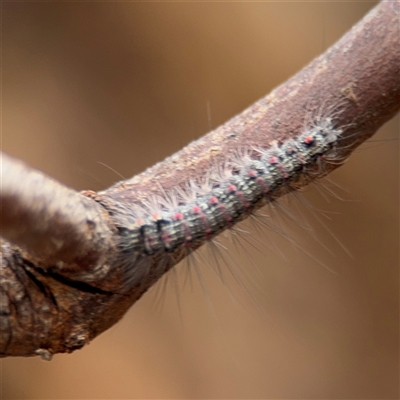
pixel 56 300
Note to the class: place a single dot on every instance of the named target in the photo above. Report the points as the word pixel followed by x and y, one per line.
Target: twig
pixel 54 224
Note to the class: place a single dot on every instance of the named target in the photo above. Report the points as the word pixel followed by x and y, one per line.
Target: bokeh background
pixel 92 91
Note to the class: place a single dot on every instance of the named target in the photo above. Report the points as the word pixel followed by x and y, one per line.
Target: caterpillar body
pixel 155 233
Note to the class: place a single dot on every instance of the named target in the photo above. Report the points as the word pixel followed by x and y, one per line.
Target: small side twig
pixel 53 223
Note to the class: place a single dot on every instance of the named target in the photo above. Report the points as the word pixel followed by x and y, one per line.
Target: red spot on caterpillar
pixel 308 140
pixel 232 188
pixel 196 210
pixel 273 160
pixel 156 216
pixel 213 200
pixel 178 216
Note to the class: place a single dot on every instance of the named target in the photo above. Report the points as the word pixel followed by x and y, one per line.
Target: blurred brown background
pixel 127 84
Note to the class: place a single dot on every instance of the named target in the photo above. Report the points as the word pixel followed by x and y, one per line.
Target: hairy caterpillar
pixel 188 216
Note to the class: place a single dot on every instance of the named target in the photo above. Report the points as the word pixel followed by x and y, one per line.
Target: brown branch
pixel 46 309
pixel 363 67
pixel 51 222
